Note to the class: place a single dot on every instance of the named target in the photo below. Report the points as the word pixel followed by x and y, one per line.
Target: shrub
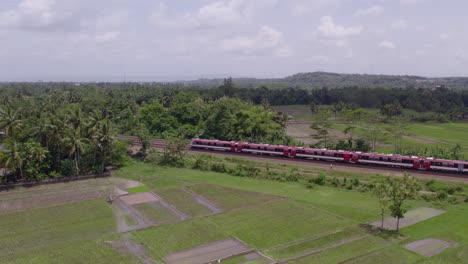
pixel 466 199
pixel 293 175
pixel 200 163
pixel 355 182
pixel 451 190
pixel 218 167
pixel 335 182
pixel 320 180
pixel 311 186
pixel 442 196
pixel 67 168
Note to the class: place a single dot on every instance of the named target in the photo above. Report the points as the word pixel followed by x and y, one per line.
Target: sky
pixel 90 40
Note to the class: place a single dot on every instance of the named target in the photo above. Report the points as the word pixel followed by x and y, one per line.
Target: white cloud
pixel 321 59
pixel 213 15
pixel 386 45
pixel 329 29
pixel 370 11
pixel 411 2
pixel 399 24
pixel 462 55
pixel 266 42
pixel 304 7
pixel 106 36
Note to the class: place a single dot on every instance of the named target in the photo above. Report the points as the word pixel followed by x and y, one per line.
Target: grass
pixel 156 212
pixel 390 255
pixel 184 202
pixel 229 198
pixel 162 240
pixel 139 189
pixel 63 234
pixel 318 242
pixel 280 219
pixel 277 223
pixel 347 251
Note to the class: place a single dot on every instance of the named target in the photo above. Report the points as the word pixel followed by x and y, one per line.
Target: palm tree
pixel 105 137
pixel 75 143
pixel 10 120
pixel 14 158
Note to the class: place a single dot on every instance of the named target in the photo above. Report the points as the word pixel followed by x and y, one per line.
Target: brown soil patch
pixel 429 247
pixel 412 217
pixel 139 198
pixel 207 253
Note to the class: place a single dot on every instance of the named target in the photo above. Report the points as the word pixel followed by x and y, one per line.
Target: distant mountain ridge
pixel 340 80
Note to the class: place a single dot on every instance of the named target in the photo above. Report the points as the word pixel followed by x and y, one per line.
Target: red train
pixel 390 160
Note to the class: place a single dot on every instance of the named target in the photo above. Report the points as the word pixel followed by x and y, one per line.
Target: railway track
pixel 160 144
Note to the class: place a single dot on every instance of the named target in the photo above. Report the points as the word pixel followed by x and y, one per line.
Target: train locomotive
pixel 374 159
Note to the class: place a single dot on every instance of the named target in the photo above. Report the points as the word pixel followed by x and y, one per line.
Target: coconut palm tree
pixel 10 120
pixel 75 143
pixel 14 158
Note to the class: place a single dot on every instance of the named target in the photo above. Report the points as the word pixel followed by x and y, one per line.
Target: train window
pixel 407 161
pixel 227 145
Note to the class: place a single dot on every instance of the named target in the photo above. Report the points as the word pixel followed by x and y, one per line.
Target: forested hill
pixel 338 80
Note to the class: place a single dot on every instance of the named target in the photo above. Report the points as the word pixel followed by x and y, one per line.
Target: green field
pixel 417 135
pixel 282 220
pixel 72 233
pixel 184 202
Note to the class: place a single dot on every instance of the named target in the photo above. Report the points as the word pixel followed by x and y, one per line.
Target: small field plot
pixel 213 251
pixel 429 247
pixel 390 255
pixel 318 242
pixel 163 240
pixel 187 203
pixel 62 234
pixel 346 251
pixel 53 194
pixel 228 198
pixel 273 224
pixel 140 210
pixel 412 217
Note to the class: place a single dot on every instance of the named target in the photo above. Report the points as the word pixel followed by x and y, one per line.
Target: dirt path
pixel 128 246
pixel 201 200
pixel 412 217
pixel 121 210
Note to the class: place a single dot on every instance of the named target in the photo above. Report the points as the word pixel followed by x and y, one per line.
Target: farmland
pixel 416 135
pixel 284 221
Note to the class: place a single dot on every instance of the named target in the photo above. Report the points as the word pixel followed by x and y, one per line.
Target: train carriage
pixel 447 165
pixel 373 159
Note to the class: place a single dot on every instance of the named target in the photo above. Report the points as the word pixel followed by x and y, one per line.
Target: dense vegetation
pixel 56 129
pixel 316 80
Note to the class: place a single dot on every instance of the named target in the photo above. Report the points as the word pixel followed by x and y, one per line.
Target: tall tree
pixel 10 120
pixel 401 189
pixel 382 191
pixel 75 143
